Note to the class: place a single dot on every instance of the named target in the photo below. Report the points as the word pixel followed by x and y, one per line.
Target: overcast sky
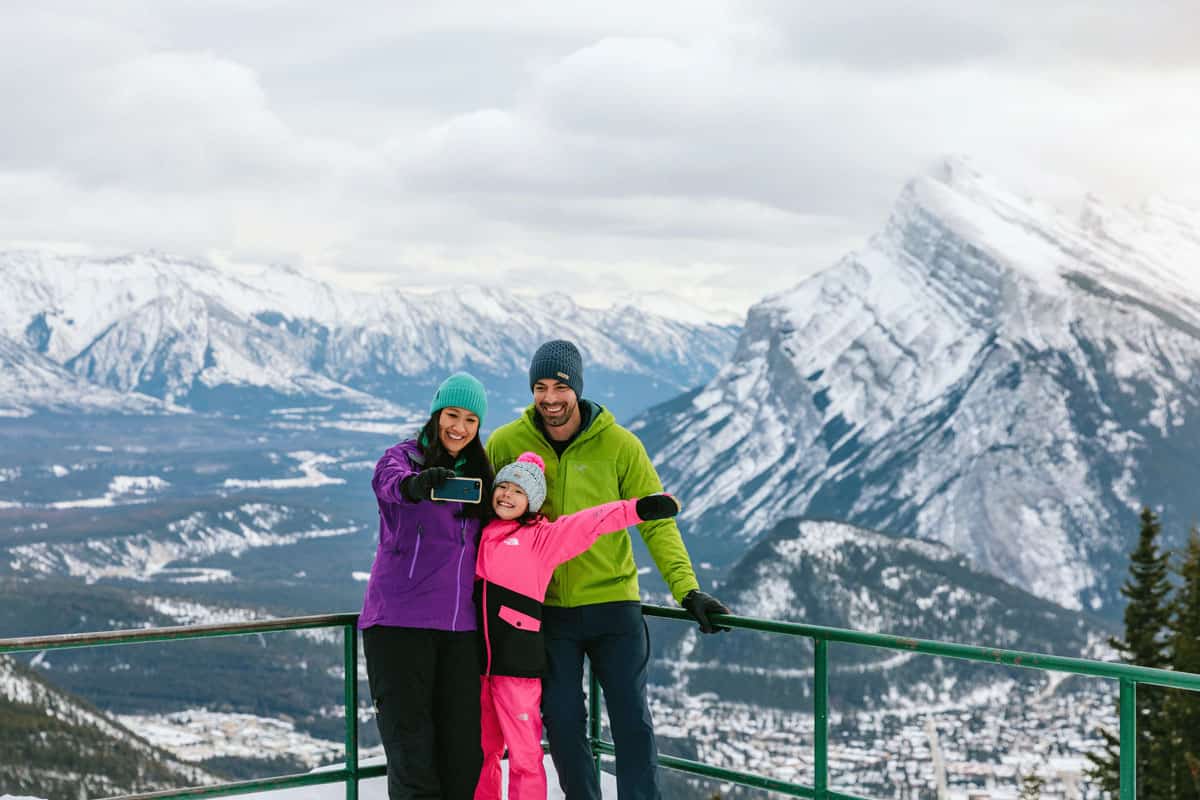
pixel 719 150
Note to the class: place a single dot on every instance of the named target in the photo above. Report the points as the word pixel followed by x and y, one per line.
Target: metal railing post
pixel 1128 739
pixel 594 716
pixel 821 719
pixel 350 650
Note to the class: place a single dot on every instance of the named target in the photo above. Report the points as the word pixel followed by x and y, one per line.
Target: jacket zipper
pixel 562 504
pixel 562 492
pixel 487 639
pixel 416 552
pixel 462 540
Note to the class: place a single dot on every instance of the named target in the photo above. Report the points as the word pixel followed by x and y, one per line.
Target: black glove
pixel 700 605
pixel 657 506
pixel 417 487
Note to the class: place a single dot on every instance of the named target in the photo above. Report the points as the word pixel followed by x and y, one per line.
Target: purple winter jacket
pixel 424 569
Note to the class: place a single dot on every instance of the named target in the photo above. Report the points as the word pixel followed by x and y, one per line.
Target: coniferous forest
pixel 1162 630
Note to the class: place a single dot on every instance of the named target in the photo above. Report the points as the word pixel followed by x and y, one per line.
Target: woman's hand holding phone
pixel 459 490
pixel 419 487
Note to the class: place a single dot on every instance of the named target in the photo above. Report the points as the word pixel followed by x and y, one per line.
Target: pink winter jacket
pixel 513 569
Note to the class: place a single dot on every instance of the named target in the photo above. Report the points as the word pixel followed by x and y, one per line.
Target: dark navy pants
pixel 613 637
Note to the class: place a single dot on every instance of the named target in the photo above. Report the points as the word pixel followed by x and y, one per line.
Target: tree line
pixel 1162 630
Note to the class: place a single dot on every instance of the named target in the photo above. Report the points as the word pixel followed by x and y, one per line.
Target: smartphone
pixel 459 490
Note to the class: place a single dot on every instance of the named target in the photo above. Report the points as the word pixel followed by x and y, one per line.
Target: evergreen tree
pixel 1032 785
pixel 1147 620
pixel 1183 707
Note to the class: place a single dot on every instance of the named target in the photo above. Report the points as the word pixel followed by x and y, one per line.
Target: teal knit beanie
pixel 463 391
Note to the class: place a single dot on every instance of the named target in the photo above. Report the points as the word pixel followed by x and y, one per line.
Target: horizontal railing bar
pixel 1011 658
pixel 991 655
pixel 605 747
pixel 140 635
pixel 720 773
pixel 338 775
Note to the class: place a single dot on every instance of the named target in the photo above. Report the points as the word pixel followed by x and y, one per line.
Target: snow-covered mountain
pixel 56 745
pixel 986 372
pixel 833 574
pixel 164 552
pixel 29 381
pixel 193 335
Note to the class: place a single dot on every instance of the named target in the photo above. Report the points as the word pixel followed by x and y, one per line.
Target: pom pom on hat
pixel 529 457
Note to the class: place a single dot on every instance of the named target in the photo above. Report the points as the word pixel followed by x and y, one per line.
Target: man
pixel 593 604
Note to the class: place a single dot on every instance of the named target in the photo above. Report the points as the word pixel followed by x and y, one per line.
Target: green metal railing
pixel 1128 676
pixel 351 772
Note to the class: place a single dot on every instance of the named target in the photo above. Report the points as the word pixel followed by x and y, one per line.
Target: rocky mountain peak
pixel 981 372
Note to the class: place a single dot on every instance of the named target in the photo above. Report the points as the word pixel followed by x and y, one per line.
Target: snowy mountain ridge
pixel 985 372
pixel 187 333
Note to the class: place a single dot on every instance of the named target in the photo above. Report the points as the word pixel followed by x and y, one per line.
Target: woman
pixel 418 617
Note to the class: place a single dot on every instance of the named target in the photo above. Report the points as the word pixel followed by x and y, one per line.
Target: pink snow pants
pixel 512 715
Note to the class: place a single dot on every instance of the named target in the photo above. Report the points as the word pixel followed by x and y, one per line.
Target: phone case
pixel 459 490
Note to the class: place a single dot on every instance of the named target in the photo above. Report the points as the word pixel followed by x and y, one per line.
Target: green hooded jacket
pixel 605 462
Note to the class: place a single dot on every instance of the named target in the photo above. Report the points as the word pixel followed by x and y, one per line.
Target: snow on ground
pixel 376 788
pixel 197 734
pixel 382 428
pixel 303 410
pixel 185 612
pixel 311 476
pixel 144 555
pixel 121 489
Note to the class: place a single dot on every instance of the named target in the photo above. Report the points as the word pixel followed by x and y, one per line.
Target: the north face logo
pixel 512 541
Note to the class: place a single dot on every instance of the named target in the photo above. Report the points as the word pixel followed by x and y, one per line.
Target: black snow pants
pixel 425 687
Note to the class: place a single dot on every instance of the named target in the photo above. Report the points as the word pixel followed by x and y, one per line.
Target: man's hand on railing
pixel 700 605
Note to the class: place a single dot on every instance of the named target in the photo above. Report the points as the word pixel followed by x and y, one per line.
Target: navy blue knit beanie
pixel 558 360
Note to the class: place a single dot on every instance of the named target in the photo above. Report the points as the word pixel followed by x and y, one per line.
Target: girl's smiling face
pixel 509 501
pixel 456 428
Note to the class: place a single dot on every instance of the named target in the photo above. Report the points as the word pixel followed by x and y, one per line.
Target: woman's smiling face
pixel 456 428
pixel 509 501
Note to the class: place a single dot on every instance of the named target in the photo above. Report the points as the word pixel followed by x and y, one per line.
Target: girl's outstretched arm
pixel 572 534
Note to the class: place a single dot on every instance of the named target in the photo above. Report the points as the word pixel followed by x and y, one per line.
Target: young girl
pixel 518 552
pixel 418 616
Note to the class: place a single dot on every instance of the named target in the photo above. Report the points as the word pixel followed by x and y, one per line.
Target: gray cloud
pixel 727 147
pixel 1017 35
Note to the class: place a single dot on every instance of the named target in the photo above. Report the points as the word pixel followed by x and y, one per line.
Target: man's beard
pixel 558 420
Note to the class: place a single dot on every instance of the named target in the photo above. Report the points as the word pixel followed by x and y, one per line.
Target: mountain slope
pixel 985 372
pixel 197 336
pixel 837 575
pixel 29 381
pixel 56 746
